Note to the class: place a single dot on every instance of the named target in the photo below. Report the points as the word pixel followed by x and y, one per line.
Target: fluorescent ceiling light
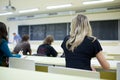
pixel 7 13
pixel 97 1
pixel 59 6
pixel 29 10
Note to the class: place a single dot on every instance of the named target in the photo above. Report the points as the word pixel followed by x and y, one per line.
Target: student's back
pixel 4 49
pixel 81 46
pixel 46 49
pixel 82 55
pixel 23 46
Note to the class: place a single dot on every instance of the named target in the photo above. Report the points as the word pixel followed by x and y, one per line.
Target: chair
pixel 74 72
pixel 21 63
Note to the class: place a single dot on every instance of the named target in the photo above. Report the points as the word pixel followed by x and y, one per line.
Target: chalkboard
pixel 69 24
pixel 50 28
pixel 105 30
pixel 23 29
pixel 60 31
pixel 37 32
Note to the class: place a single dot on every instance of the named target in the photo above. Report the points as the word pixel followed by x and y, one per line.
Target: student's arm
pixel 99 55
pixel 102 60
pixel 29 48
pixel 30 52
pixel 53 52
pixel 5 49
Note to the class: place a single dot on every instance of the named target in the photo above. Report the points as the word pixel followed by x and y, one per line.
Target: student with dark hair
pixel 46 49
pixel 5 52
pixel 23 46
pixel 80 46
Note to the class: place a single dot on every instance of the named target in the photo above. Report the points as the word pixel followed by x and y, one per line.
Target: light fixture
pixel 97 1
pixel 7 13
pixel 59 6
pixel 9 7
pixel 28 10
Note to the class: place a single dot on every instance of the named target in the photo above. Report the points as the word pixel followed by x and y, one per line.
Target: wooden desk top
pixel 47 60
pixel 17 74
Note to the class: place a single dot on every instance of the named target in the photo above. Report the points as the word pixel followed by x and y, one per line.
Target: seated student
pixel 46 49
pixel 80 46
pixel 23 46
pixel 4 49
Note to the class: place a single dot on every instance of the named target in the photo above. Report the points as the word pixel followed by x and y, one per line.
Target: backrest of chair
pixel 21 64
pixel 74 72
pixel 118 71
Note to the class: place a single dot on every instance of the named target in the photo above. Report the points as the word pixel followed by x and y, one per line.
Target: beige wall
pixel 13 25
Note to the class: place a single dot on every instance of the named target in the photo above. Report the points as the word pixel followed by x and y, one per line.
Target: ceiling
pixel 42 4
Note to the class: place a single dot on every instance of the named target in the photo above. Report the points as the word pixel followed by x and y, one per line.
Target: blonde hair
pixel 48 40
pixel 80 27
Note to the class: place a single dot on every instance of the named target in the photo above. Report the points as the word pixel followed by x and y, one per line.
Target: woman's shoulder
pixel 91 38
pixel 67 37
pixel 3 40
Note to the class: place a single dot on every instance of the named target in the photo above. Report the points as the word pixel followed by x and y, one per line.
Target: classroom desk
pixel 57 61
pixel 113 64
pixel 50 61
pixel 17 74
pixel 42 64
pixel 106 74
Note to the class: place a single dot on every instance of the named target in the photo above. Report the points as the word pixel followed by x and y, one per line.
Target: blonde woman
pixel 80 46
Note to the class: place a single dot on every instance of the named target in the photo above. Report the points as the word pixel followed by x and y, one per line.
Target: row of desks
pixel 57 61
pixel 17 74
pixel 42 63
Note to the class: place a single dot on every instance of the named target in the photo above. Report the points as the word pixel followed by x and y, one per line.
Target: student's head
pixel 25 37
pixel 14 34
pixel 49 39
pixel 3 31
pixel 80 27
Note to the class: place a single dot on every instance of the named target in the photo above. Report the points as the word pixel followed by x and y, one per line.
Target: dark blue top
pixel 5 51
pixel 82 55
pixel 46 50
